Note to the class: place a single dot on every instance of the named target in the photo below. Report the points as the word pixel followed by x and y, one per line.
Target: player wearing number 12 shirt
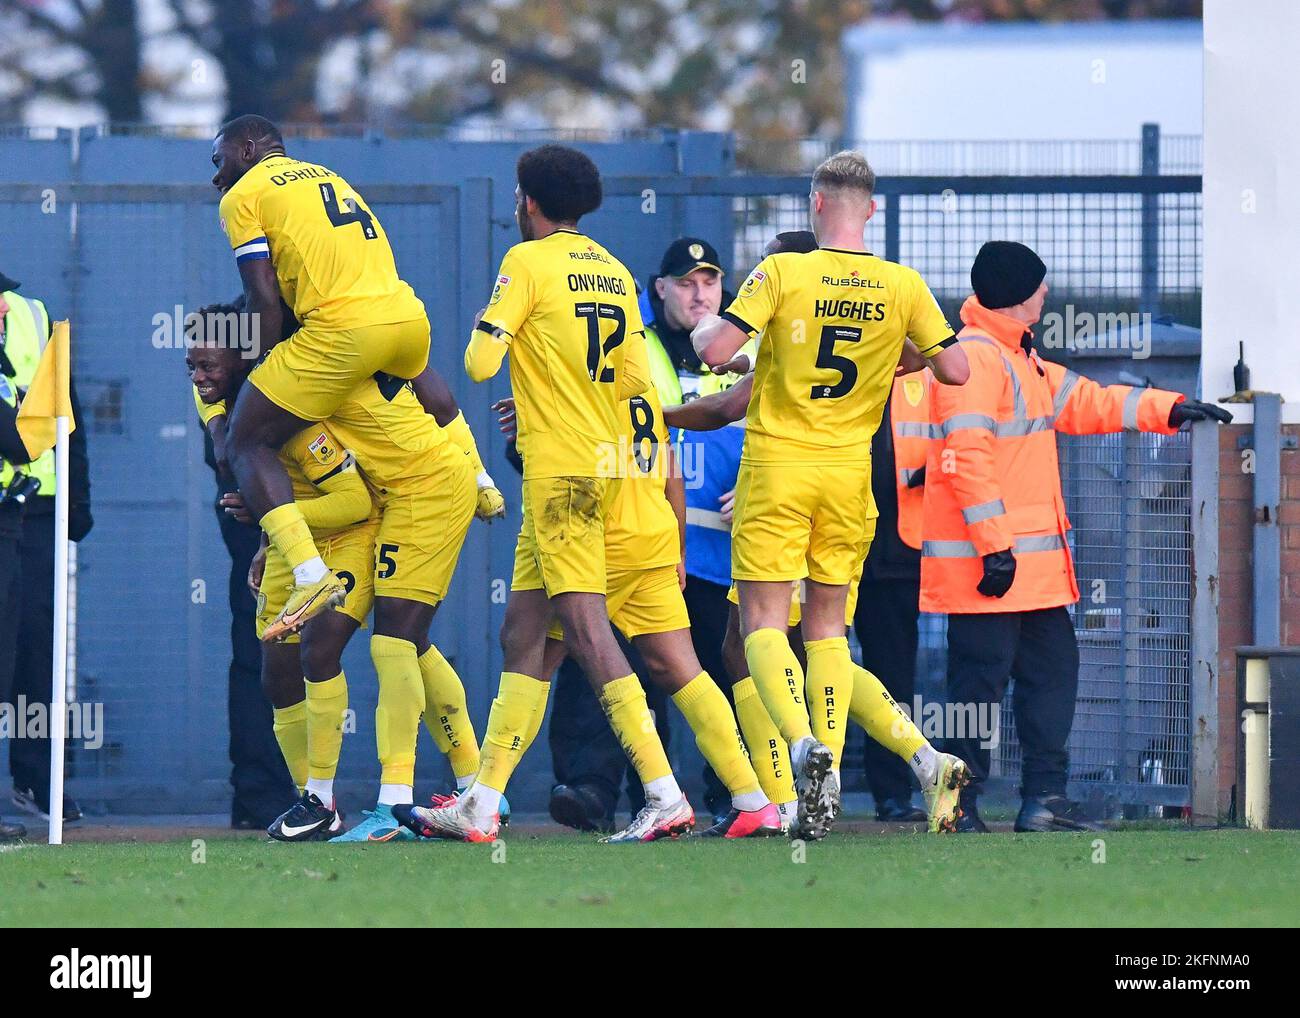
pixel 565 311
pixel 835 324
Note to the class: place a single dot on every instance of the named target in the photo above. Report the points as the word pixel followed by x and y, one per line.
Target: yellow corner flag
pixel 48 397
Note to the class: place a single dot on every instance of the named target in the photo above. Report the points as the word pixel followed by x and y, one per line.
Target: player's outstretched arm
pixel 435 395
pixel 716 340
pixel 949 364
pixel 709 413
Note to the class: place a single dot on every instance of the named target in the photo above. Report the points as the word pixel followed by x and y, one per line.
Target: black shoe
pixel 1053 813
pixel 899 811
pixel 970 822
pixel 580 807
pixel 37 803
pixel 12 832
pixel 308 819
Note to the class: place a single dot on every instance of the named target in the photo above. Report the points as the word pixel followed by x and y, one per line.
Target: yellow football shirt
pixel 641 527
pixel 567 310
pixel 332 258
pixel 833 325
pixel 395 442
pixel 311 457
pixel 207 411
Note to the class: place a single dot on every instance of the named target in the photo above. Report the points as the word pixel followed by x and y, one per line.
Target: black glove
pixel 999 574
pixel 917 479
pixel 1194 410
pixel 79 520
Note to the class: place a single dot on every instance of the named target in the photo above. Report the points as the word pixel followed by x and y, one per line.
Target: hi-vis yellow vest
pixel 27 328
pixel 667 381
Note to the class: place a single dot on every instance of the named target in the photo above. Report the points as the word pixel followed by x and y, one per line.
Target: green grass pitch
pixel 1148 878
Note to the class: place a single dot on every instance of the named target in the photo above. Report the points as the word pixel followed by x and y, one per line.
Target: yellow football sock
pixel 706 710
pixel 445 713
pixel 875 710
pixel 779 681
pixel 325 705
pixel 539 715
pixel 624 703
pixel 288 531
pixel 768 752
pixel 291 734
pixel 510 723
pixel 460 435
pixel 830 688
pixel 401 702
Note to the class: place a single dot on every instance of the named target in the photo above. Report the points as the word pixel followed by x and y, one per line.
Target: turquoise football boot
pixel 378 825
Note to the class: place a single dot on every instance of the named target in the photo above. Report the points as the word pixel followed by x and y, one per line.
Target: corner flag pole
pixel 59 695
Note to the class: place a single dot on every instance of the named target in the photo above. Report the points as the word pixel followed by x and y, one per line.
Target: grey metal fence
pixel 1114 244
pixel 113 255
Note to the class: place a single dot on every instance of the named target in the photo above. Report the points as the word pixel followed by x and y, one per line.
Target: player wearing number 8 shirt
pixel 644 544
pixel 301 232
pixel 565 310
pixel 836 322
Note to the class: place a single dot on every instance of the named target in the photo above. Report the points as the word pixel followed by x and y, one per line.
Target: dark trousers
pixel 33 671
pixel 584 749
pixel 708 608
pixel 885 623
pixel 262 786
pixel 1036 649
pixel 10 604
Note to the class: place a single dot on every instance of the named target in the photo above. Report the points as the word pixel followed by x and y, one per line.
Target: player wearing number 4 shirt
pixel 565 310
pixel 301 232
pixel 835 324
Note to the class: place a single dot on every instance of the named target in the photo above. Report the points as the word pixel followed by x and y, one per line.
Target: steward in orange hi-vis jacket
pixel 994 554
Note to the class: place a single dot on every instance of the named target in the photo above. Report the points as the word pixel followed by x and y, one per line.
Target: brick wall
pixel 1236 620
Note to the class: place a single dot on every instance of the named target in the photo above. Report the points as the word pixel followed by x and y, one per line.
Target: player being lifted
pixel 422 473
pixel 301 231
pixel 566 312
pixel 337 505
pixel 835 324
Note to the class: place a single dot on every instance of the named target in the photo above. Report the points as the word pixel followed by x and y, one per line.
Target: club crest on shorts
pixel 322 449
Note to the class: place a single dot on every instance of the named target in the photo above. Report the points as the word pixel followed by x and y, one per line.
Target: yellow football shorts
pixel 797 586
pixel 561 546
pixel 422 529
pixel 800 521
pixel 350 554
pixel 641 602
pixel 313 372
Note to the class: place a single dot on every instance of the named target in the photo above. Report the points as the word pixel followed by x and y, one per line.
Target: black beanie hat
pixel 1005 273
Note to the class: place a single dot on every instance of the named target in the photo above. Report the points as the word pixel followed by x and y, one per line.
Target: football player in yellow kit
pixel 870 705
pixel 565 310
pixel 422 479
pixel 644 546
pixel 835 324
pixel 301 232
